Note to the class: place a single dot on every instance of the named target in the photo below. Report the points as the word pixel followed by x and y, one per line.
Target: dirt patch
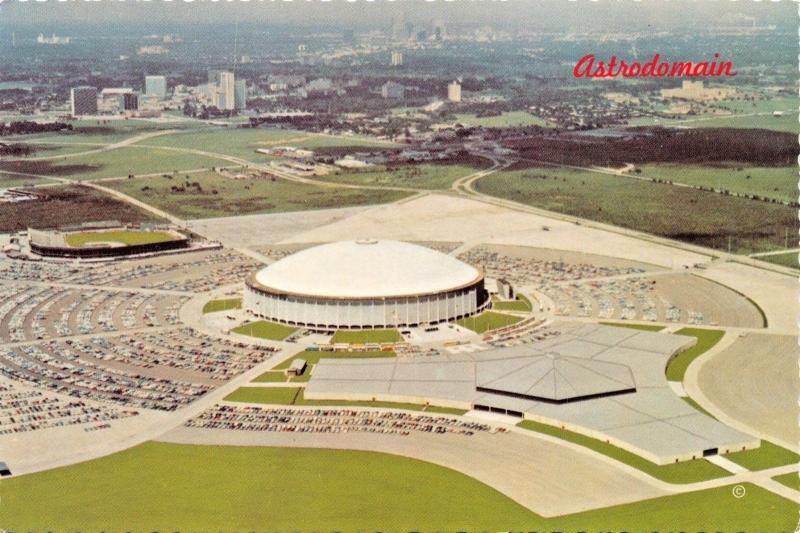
pixel 72 204
pixel 46 168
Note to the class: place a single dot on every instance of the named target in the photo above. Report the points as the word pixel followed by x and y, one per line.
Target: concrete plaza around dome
pixel 650 421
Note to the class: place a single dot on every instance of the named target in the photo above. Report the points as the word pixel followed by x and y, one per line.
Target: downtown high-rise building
pixel 240 95
pixel 155 86
pixel 397 59
pixel 128 102
pixel 454 91
pixel 226 91
pixel 83 101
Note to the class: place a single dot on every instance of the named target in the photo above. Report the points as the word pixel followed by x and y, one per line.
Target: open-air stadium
pixel 207 368
pixel 101 241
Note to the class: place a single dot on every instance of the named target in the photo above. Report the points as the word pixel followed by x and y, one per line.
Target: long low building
pixel 366 284
pixel 604 382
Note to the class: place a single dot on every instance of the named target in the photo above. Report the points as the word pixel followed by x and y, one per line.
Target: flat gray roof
pixel 583 360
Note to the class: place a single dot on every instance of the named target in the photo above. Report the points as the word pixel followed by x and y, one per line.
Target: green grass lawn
pixel 685 472
pixel 295 396
pixel 121 162
pixel 737 119
pixel 697 406
pixel 422 176
pixel 52 150
pixel 264 329
pixel 791 480
pixel 521 304
pixel 107 131
pixel 170 487
pixel 10 181
pixel 217 196
pixel 504 120
pixel 271 376
pixel 366 336
pixel 788 122
pixel 487 321
pixel 312 358
pixel 769 182
pixel 79 240
pixel 788 259
pixel 767 455
pixel 643 327
pixel 243 142
pixel 698 217
pixel 214 306
pixel 268 395
pixel 177 487
pixel 759 511
pixel 706 339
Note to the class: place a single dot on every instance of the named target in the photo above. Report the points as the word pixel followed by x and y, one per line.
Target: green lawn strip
pixel 366 336
pixel 768 455
pixel 791 480
pixel 172 487
pixel 714 509
pixel 422 176
pixel 10 181
pixel 294 396
pixel 272 376
pixel 121 162
pixel 159 486
pixel 243 142
pixel 697 406
pixel 264 329
pixel 706 339
pixel 313 357
pixel 643 327
pixel 214 306
pixel 789 259
pixel 487 321
pixel 78 240
pixel 684 472
pixel 267 395
pixel 302 378
pixel 521 303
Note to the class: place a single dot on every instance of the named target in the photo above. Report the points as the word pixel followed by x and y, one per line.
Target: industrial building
pixel 366 284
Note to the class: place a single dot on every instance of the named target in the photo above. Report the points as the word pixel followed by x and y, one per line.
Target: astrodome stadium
pixel 366 284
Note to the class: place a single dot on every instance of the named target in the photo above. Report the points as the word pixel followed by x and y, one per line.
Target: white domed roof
pixel 366 269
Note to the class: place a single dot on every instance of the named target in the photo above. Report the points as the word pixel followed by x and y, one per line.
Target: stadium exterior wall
pixel 364 313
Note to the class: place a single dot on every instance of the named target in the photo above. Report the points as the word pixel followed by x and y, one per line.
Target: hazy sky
pixel 614 15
